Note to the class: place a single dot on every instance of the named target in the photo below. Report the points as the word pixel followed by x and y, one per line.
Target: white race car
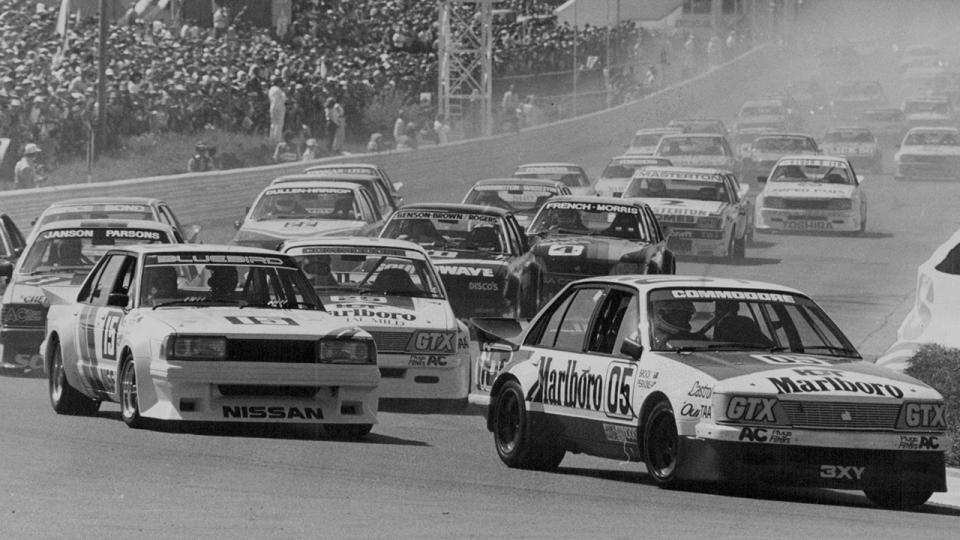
pixel 697 150
pixel 710 380
pixel 391 289
pixel 293 210
pixel 645 141
pixel 521 196
pixel 812 194
pixel 619 170
pixel 929 111
pixel 933 319
pixel 118 209
pixel 570 174
pixel 208 333
pixel 928 153
pixel 703 212
pixel 857 144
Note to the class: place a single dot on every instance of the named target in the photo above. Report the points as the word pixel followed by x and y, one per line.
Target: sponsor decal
pixel 764 435
pixel 100 208
pixel 647 378
pixel 109 338
pixel 269 321
pixel 804 224
pixel 433 341
pixel 332 171
pixel 793 360
pixel 438 254
pixel 297 190
pixel 137 234
pixel 373 314
pixel 300 224
pixel 841 472
pixel 703 391
pixel 924 414
pixel 23 314
pixel 751 409
pixel 427 360
pixel 255 412
pixel 713 294
pixel 34 299
pixel 456 270
pixel 68 233
pixel 835 383
pixel 517 187
pixel 696 411
pixel 813 162
pixel 565 250
pixel 216 258
pixel 610 393
pixel 593 207
pixel 547 170
pixel 919 442
pixel 441 215
pixel 676 210
pixel 44 280
pixel 620 434
pixel 678 175
pixel 347 250
pixel 483 286
pixel 355 299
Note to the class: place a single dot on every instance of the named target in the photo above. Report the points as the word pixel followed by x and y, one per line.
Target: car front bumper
pixel 774 219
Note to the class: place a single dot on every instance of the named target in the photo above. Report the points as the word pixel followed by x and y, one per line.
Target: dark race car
pixel 575 237
pixel 480 253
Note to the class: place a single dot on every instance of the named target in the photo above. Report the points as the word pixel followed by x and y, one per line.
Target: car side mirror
pixel 6 269
pixel 118 300
pixel 631 348
pixel 762 179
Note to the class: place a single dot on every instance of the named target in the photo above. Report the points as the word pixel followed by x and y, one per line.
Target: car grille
pixel 807 204
pixel 250 390
pixel 391 342
pixel 832 415
pixel 272 350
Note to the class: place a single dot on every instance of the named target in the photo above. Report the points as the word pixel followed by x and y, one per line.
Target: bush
pixel 939 367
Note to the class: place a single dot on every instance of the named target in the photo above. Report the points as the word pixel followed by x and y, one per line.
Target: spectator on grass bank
pixel 202 159
pixel 286 151
pixel 442 129
pixel 278 109
pixel 336 125
pixel 312 150
pixel 27 173
pixel 221 21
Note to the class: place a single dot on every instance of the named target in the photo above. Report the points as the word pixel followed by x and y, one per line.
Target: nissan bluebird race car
pixel 812 194
pixel 390 289
pixel 362 168
pixel 857 144
pixel 575 237
pixel 57 259
pixel 703 212
pixel 710 380
pixel 760 157
pixel 570 174
pixel 697 150
pixel 645 141
pixel 118 209
pixel 618 172
pixel 208 334
pixel 521 196
pixel 928 153
pixel 293 210
pixel 480 253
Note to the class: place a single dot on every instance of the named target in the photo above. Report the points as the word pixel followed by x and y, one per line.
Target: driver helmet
pixel 284 205
pixel 673 316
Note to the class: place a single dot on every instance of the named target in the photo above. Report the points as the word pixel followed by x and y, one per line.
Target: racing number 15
pixel 109 338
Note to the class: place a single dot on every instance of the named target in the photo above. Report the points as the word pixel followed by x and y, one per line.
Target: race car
pixel 369 181
pixel 57 258
pixel 744 138
pixel 619 170
pixel 886 123
pixel 933 318
pixel 391 289
pixel 645 141
pixel 294 210
pixel 208 334
pixel 11 246
pixel 858 144
pixel 812 194
pixel 574 237
pixel 760 157
pixel 710 380
pixel 703 212
pixel 928 153
pixel 763 113
pixel 570 174
pixel 363 168
pixel 699 125
pixel 480 252
pixel 853 98
pixel 521 196
pixel 929 112
pixel 697 150
pixel 118 208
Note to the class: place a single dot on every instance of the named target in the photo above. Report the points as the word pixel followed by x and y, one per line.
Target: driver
pixel 671 321
pixel 317 270
pixel 567 219
pixel 222 283
pixel 70 253
pixel 286 206
pixel 422 231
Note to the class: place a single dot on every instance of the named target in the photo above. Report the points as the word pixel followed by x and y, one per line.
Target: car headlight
pixel 709 223
pixel 773 202
pixel 840 204
pixel 177 347
pixel 749 409
pixel 433 342
pixel 347 351
pixel 921 415
pixel 628 267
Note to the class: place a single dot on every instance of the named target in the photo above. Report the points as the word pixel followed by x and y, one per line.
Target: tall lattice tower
pixel 465 91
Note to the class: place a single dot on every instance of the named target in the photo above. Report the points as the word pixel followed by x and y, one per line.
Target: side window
pixel 127 274
pixel 513 235
pixel 566 324
pixel 103 285
pixel 372 209
pixel 16 238
pixel 733 189
pixel 94 277
pixel 616 320
pixel 168 217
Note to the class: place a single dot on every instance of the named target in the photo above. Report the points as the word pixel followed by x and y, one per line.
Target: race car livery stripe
pixel 298 190
pixel 88 346
pixel 593 207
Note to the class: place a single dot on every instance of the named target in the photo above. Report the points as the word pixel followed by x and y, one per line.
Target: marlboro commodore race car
pixel 812 194
pixel 119 209
pixel 57 259
pixel 480 253
pixel 391 289
pixel 575 237
pixel 208 333
pixel 715 380
pixel 521 196
pixel 703 212
pixel 294 210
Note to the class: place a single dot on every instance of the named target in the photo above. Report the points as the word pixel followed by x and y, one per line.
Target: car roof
pixel 456 207
pixel 550 164
pixel 638 157
pixel 773 134
pixel 146 201
pixel 344 166
pixel 197 248
pixel 649 131
pixel 359 241
pixel 659 281
pixel 309 182
pixel 933 128
pixel 105 224
pixel 818 157
pixel 595 199
pixel 314 178
pixel 513 180
pixel 849 128
pixel 693 134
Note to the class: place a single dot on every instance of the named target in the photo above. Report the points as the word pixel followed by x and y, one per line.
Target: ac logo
pixel 753 435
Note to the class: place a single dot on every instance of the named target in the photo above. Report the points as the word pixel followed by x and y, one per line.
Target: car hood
pixel 280 229
pixel 247 322
pixel 45 289
pixel 810 190
pixel 587 248
pixel 930 150
pixel 380 312
pixel 685 207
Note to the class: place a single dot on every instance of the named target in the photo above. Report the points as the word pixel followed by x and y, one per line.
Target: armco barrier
pixel 441 173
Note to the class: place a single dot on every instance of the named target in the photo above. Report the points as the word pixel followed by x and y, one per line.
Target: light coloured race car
pixel 57 258
pixel 697 150
pixel 699 125
pixel 570 174
pixel 766 113
pixel 936 310
pixel 372 183
pixel 362 168
pixel 645 141
pixel 767 148
pixel 928 153
pixel 703 212
pixel 619 170
pixel 211 334
pixel 521 196
pixel 293 210
pixel 391 289
pixel 858 144
pixel 855 97
pixel 812 194
pixel 710 380
pixel 929 111
pixel 119 209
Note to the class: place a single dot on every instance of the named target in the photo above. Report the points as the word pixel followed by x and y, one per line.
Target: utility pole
pixel 101 131
pixel 466 62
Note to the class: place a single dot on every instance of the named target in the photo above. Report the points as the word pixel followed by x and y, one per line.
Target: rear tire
pixel 129 396
pixel 661 445
pixel 517 444
pixel 65 398
pixel 347 432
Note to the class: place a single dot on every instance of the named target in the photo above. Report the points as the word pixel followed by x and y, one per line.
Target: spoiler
pixel 492 330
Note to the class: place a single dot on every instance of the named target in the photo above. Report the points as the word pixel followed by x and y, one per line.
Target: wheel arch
pixel 495 393
pixel 648 404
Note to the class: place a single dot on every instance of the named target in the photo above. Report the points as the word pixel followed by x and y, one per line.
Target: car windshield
pixel 920 107
pixel 762 110
pixel 268 282
pixel 701 188
pixel 569 177
pixel 698 126
pixel 932 138
pixel 895 115
pixel 520 199
pixel 307 203
pixel 712 319
pixel 334 271
pixel 79 248
pixel 782 144
pixel 848 136
pixel 589 218
pixel 646 139
pixel 442 230
pixel 827 172
pixel 691 146
pixel 121 212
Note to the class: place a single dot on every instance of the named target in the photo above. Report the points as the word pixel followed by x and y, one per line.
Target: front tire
pixel 661 445
pixel 129 397
pixel 517 444
pixel 65 398
pixel 897 496
pixel 347 432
